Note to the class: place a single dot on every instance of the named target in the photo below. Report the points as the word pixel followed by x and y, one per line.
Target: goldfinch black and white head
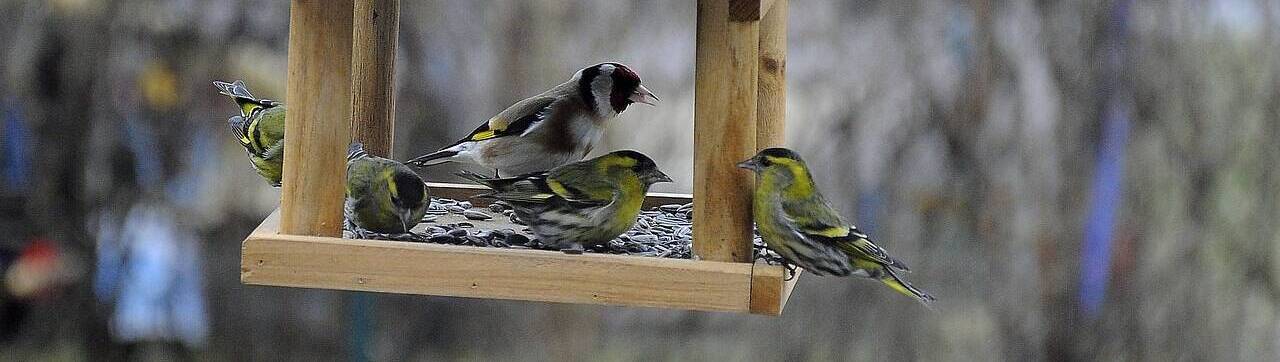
pixel 551 129
pixel 608 88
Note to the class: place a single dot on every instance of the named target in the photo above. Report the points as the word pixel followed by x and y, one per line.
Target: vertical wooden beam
pixel 771 111
pixel 726 62
pixel 373 61
pixel 317 130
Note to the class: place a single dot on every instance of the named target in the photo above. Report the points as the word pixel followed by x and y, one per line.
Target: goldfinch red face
pixel 609 88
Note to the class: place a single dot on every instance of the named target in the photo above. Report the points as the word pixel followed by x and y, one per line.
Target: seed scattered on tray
pixel 665 231
pixel 476 215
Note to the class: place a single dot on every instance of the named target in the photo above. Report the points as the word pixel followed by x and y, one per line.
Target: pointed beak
pixel 643 95
pixel 658 177
pixel 405 220
pixel 750 164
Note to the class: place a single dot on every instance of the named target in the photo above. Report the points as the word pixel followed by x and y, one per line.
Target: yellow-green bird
pixel 383 195
pixel 580 204
pixel 796 222
pixel 259 128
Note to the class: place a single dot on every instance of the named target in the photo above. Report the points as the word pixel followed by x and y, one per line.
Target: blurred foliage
pixel 962 134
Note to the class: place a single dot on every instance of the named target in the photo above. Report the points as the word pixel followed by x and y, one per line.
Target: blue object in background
pixel 869 203
pixel 146 153
pixel 1108 176
pixel 1099 229
pixel 15 158
pixel 360 312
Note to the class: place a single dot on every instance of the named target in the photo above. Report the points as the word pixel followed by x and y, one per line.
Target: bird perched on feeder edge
pixel 551 129
pixel 259 128
pixel 795 220
pixel 580 204
pixel 383 195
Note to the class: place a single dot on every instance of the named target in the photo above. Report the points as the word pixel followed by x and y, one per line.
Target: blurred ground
pixel 995 146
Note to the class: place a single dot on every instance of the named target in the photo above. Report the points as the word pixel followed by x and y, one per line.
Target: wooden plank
pixel 376 24
pixel 765 7
pixel 318 127
pixel 771 102
pixel 269 258
pixel 770 290
pixel 469 191
pixel 724 132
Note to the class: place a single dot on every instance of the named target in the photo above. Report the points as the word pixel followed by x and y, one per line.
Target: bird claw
pixel 791 271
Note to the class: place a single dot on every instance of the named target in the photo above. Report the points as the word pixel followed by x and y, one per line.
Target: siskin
pixel 551 129
pixel 797 222
pixel 383 195
pixel 259 128
pixel 580 204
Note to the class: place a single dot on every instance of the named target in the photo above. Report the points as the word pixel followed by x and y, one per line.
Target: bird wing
pixel 823 224
pixel 240 129
pixel 515 120
pixel 528 188
pixel 581 183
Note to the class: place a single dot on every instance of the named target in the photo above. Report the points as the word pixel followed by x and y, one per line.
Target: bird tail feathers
pixel 480 179
pixel 891 279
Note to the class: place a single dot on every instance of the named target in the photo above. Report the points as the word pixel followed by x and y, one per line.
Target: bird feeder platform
pixel 341 64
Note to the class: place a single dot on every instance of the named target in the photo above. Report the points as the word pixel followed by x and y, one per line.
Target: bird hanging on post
pixel 580 204
pixel 383 195
pixel 795 221
pixel 259 128
pixel 551 129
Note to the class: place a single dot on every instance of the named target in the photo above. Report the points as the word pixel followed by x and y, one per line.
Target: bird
pixel 383 195
pixel 798 223
pixel 581 204
pixel 551 129
pixel 259 128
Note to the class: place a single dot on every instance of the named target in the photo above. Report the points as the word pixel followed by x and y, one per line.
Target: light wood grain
pixel 770 290
pixel 771 102
pixel 416 268
pixel 724 132
pixel 271 258
pixel 765 7
pixel 373 62
pixel 317 129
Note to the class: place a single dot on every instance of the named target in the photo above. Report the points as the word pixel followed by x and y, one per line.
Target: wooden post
pixel 317 129
pixel 771 114
pixel 373 63
pixel 726 61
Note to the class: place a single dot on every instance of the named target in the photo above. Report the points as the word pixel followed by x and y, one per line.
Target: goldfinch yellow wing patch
pixel 502 125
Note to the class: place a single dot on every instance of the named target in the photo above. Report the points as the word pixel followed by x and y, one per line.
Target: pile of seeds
pixel 665 231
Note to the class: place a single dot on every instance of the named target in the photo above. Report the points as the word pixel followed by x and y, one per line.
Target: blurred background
pixel 1073 180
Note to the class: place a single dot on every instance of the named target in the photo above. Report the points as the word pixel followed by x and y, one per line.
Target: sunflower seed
pixel 476 215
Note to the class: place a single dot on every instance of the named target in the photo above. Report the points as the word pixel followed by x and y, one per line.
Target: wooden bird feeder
pixel 341 62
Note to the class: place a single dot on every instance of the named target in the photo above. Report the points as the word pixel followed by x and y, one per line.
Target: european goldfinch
pixel 797 222
pixel 580 204
pixel 259 128
pixel 383 195
pixel 551 129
